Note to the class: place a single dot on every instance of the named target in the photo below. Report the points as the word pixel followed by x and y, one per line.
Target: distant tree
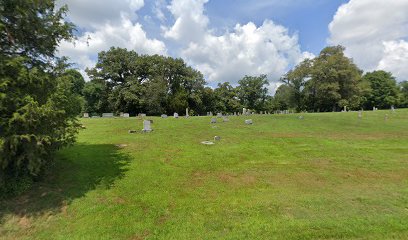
pixel 76 79
pixel 96 99
pixel 226 98
pixel 295 80
pixel 403 86
pixel 140 83
pixel 252 92
pixel 283 97
pixel 334 81
pixel 383 90
pixel 37 107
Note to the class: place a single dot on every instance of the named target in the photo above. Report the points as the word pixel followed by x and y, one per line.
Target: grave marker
pixel 107 115
pixel 147 126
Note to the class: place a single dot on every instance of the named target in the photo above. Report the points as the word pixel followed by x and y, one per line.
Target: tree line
pixel 124 81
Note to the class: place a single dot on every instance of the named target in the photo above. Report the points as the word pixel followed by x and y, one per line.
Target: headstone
pixel 175 115
pixel 86 115
pixel 225 119
pixel 126 115
pixel 248 121
pixel 243 111
pixel 121 114
pixel 345 108
pixel 107 115
pixel 142 115
pixel 392 108
pixel 147 126
pixel 187 113
pixel 163 116
pixel 95 117
pixel 207 143
pixel 213 120
pixel 219 115
pixel 217 138
pixel 211 114
pixel 360 114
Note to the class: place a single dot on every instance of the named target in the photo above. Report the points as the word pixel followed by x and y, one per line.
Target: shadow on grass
pixel 76 170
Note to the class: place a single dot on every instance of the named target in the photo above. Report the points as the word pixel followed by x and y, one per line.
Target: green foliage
pixel 252 91
pixel 226 98
pixel 37 104
pixel 123 81
pixel 383 92
pixel 403 86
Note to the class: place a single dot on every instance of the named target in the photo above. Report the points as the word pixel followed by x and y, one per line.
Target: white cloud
pixel 246 50
pixel 373 32
pixel 395 58
pixel 158 7
pixel 120 32
pixel 92 14
pixel 190 21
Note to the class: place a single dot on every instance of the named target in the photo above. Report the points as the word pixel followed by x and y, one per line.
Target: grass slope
pixel 328 176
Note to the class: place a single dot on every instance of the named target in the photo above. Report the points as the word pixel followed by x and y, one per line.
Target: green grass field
pixel 328 176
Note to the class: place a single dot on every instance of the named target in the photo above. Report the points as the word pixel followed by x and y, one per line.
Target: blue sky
pixel 228 39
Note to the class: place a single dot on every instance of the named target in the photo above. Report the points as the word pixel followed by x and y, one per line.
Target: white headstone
pixel 187 112
pixel 243 111
pixel 107 115
pixel 248 121
pixel 163 116
pixel 175 115
pixel 213 120
pixel 146 126
pixel 121 114
pixel 225 119
pixel 360 114
pixel 86 115
pixel 126 115
pixel 143 115
pixel 219 115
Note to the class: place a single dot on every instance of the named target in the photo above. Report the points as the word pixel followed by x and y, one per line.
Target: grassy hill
pixel 327 176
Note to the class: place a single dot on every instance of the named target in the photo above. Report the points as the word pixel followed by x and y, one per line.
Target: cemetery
pixel 343 172
pixel 185 119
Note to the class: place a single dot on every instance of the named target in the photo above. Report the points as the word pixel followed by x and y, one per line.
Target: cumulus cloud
pixel 395 58
pixel 92 14
pixel 374 32
pixel 118 31
pixel 245 50
pixel 190 24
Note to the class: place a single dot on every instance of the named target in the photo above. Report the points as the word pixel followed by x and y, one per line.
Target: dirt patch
pixel 244 179
pixel 142 236
pixel 119 200
pixel 24 222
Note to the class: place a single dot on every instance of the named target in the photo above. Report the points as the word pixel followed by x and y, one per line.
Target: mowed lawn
pixel 327 176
